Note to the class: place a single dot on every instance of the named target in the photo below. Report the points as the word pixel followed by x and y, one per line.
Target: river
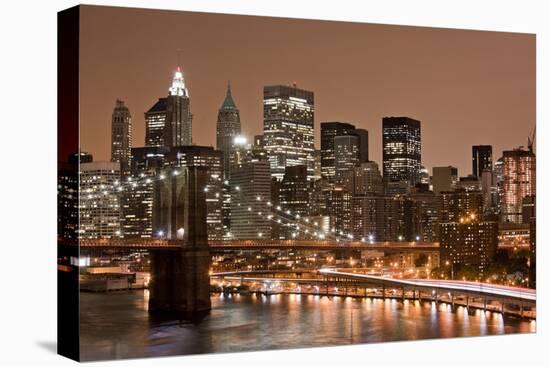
pixel 117 325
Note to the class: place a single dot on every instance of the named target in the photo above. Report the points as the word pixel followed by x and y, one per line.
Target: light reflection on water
pixel 117 325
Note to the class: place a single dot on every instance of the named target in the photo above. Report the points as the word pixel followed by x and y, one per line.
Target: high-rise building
pixel 227 129
pixel 364 179
pixel 294 192
pixel 374 218
pixel 289 128
pixel 121 137
pixel 137 199
pixel 250 193
pixel 346 155
pixel 169 121
pixel 338 207
pixel 202 156
pixel 468 242
pixel 455 204
pixel 401 149
pixel 519 172
pixel 329 132
pixel 363 140
pixel 482 158
pixel 444 178
pixel 67 200
pixel 99 205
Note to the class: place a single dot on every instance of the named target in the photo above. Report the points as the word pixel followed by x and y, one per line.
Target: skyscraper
pixel 364 179
pixel 121 136
pixel 227 129
pixel 250 193
pixel 401 149
pixel 99 205
pixel 169 121
pixel 329 131
pixel 346 155
pixel 289 128
pixel 482 158
pixel 294 195
pixel 519 182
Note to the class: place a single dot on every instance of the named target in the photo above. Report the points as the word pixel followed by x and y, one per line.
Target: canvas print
pixel 234 183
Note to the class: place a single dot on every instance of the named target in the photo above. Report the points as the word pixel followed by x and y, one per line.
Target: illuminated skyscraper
pixel 99 206
pixel 227 129
pixel 288 128
pixel 482 158
pixel 169 121
pixel 519 182
pixel 250 193
pixel 401 149
pixel 121 136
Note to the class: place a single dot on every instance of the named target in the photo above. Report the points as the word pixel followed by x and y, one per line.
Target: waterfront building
pixel 288 128
pixel 468 242
pixel 401 149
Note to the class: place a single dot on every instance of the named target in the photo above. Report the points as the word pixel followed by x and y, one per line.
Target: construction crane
pixel 531 139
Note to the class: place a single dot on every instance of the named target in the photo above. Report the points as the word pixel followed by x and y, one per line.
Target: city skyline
pixel 504 86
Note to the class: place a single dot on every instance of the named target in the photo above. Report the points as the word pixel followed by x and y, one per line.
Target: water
pixel 117 325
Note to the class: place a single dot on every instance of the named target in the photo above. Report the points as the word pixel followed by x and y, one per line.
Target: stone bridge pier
pixel 180 280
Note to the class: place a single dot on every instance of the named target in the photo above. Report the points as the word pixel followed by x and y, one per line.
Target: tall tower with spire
pixel 169 122
pixel 121 136
pixel 227 128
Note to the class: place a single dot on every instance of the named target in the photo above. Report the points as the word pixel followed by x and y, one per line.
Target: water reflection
pixel 117 325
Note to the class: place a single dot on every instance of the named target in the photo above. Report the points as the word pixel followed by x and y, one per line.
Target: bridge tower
pixel 180 280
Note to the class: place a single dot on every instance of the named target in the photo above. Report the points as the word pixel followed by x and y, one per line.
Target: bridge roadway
pixel 474 289
pixel 258 244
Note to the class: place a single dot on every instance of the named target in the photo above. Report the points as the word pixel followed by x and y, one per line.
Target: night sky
pixel 466 87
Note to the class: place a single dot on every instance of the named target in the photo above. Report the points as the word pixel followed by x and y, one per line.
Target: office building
pixel 228 128
pixel 401 149
pixel 169 121
pixel 121 137
pixel 482 158
pixel 288 128
pixel 250 195
pixel 346 155
pixel 99 206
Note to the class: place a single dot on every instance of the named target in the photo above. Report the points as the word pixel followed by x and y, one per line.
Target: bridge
pixel 432 289
pixel 258 244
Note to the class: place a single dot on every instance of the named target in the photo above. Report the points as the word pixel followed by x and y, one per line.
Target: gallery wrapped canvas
pixel 241 183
